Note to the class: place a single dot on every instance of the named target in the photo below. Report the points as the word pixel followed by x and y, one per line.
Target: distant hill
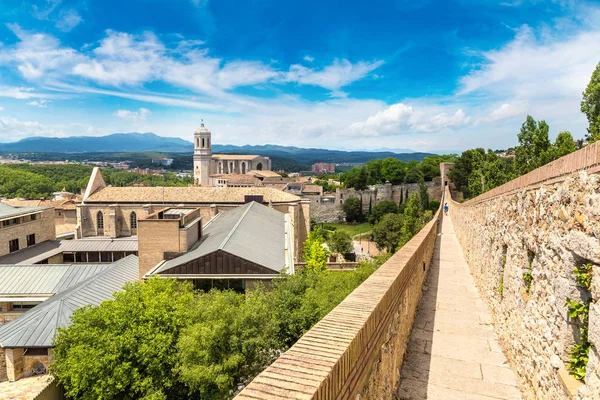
pixel 293 157
pixel 117 142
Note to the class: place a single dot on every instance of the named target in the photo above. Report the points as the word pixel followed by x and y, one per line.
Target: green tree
pixel 382 208
pixel 126 348
pixel 412 221
pixel 340 242
pixel 590 105
pixel 564 144
pixel 534 149
pixel 387 232
pixel 423 196
pixel 469 161
pixel 413 174
pixel 356 178
pixel 353 209
pixel 315 254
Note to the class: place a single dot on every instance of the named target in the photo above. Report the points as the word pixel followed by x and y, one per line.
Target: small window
pixel 30 239
pixel 133 218
pixel 33 217
pixel 93 257
pixel 25 305
pixel 68 258
pixel 36 352
pixel 80 257
pixel 105 257
pixel 100 220
pixel 13 245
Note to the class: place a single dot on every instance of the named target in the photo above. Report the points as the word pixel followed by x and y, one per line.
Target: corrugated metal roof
pixel 44 279
pixel 7 211
pixel 45 250
pixel 37 327
pixel 178 211
pixel 253 232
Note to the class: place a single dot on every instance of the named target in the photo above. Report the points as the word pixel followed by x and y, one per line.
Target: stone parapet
pixel 358 348
pixel 523 241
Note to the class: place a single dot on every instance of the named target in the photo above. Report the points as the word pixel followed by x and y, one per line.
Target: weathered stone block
pixel 584 246
pixel 594 324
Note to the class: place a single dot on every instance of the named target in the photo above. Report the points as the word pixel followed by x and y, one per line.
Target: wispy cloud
pixel 68 19
pixel 133 116
pixel 39 103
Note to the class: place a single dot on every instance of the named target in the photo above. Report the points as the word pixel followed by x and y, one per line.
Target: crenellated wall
pixel 522 242
pixel 357 350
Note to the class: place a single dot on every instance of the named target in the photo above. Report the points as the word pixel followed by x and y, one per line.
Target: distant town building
pixel 323 168
pixel 163 161
pixel 209 168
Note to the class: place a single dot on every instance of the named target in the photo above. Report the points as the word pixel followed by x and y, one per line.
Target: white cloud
pixel 123 59
pixel 1 108
pixel 504 112
pixel 44 12
pixel 334 76
pixel 309 58
pixel 12 129
pixel 39 103
pixel 17 92
pixel 68 19
pixel 400 118
pixel 133 116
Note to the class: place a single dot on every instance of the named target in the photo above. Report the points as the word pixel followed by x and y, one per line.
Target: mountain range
pixel 150 142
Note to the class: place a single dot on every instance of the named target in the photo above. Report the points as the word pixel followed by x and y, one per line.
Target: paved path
pixel 453 351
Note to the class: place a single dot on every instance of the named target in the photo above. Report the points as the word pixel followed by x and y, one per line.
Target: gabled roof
pixel 44 280
pixel 253 232
pixel 189 195
pixel 37 327
pixel 264 173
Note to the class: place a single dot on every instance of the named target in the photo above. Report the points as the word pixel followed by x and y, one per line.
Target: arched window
pixel 208 143
pixel 259 166
pixel 133 219
pixel 202 142
pixel 197 142
pixel 220 167
pixel 231 167
pixel 243 168
pixel 100 220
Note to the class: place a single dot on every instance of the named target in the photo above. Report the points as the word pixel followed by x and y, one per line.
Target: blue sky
pixel 429 75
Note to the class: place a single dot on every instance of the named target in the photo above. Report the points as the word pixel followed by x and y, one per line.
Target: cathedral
pixel 210 168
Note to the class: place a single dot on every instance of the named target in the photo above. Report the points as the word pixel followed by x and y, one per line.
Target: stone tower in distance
pixel 202 156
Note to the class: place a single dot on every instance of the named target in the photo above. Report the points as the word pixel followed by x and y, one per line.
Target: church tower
pixel 202 156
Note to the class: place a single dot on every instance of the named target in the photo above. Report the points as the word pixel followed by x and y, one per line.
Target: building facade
pixel 323 168
pixel 210 168
pixel 22 227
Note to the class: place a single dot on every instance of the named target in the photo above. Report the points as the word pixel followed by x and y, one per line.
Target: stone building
pixel 65 215
pixel 210 168
pixel 22 227
pixel 323 168
pixel 115 211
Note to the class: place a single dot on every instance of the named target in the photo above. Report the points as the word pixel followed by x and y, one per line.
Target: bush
pixel 434 205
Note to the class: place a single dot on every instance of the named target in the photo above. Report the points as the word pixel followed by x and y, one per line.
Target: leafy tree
pixel 534 149
pixel 356 178
pixel 564 144
pixel 423 196
pixel 382 208
pixel 387 232
pixel 590 105
pixel 412 222
pixel 315 255
pixel 126 348
pixel 340 242
pixel 413 174
pixel 353 209
pixel 469 161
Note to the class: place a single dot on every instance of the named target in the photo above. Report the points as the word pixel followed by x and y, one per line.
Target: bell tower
pixel 202 155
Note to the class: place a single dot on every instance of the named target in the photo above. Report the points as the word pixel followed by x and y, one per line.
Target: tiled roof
pixel 37 327
pixel 234 157
pixel 312 189
pixel 235 178
pixel 264 173
pixel 59 204
pixel 193 195
pixel 253 232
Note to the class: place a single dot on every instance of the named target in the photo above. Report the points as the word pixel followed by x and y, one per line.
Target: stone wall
pixel 357 349
pixel 325 211
pixel 542 232
pixel 43 227
pixel 3 375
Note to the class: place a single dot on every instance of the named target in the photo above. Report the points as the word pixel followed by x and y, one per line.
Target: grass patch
pixel 351 229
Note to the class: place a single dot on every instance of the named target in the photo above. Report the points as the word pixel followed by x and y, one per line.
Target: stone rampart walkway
pixel 453 351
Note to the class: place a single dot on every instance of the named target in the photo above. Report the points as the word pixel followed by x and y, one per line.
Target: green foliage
pixel 580 351
pixel 380 209
pixel 583 273
pixel 353 209
pixel 125 348
pixel 414 219
pixel 351 229
pixel 423 196
pixel 563 145
pixel 534 149
pixel 387 232
pixel 501 287
pixel 340 242
pixel 590 105
pixel 315 254
pixel 528 278
pixel 434 205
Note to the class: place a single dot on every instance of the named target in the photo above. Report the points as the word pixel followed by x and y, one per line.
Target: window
pixel 105 257
pixel 202 142
pixel 30 239
pixel 80 257
pixel 93 257
pixel 33 217
pixel 259 167
pixel 100 220
pixel 68 258
pixel 243 168
pixel 13 245
pixel 133 219
pixel 25 305
pixel 36 352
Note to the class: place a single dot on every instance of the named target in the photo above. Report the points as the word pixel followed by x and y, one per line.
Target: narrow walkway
pixel 453 351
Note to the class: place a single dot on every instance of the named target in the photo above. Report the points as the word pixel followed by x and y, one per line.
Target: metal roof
pixel 47 249
pixel 7 211
pixel 37 327
pixel 253 232
pixel 44 279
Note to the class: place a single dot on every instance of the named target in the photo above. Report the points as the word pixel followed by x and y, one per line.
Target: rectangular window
pixel 105 257
pixel 33 217
pixel 13 245
pixel 68 258
pixel 80 257
pixel 25 305
pixel 93 257
pixel 30 239
pixel 36 352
